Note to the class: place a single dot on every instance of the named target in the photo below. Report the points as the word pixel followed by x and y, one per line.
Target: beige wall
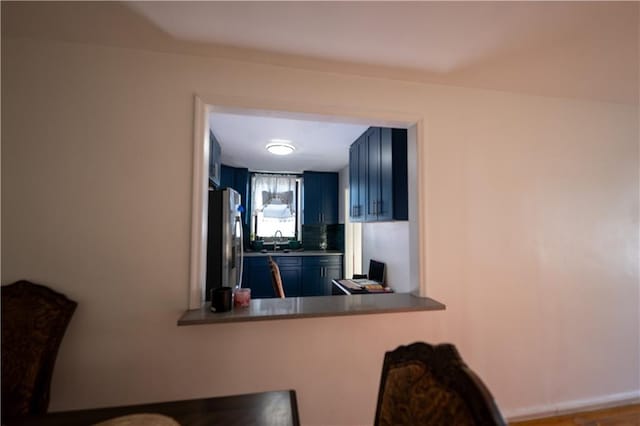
pixel 531 239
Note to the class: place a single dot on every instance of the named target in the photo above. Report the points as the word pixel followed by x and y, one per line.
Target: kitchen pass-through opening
pixel 360 241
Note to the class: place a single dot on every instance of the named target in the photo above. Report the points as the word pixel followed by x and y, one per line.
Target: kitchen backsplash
pixel 323 237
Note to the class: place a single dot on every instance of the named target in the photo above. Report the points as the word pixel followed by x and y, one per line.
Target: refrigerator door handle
pixel 239 222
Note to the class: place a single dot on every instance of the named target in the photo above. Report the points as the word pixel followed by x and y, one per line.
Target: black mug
pixel 221 299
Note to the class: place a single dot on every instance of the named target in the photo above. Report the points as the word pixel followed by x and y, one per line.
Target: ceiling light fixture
pixel 280 147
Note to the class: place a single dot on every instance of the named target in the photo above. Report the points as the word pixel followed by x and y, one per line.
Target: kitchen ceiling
pixel 319 145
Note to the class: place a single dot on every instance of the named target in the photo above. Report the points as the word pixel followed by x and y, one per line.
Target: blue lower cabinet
pixel 332 273
pixel 318 272
pixel 291 274
pixel 301 275
pixel 312 279
pixel 291 280
pixel 258 276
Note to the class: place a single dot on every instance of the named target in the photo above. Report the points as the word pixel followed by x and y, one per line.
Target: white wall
pixel 388 242
pixel 531 207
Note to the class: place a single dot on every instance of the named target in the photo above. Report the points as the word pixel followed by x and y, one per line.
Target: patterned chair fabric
pixel 276 279
pixel 34 319
pixel 431 385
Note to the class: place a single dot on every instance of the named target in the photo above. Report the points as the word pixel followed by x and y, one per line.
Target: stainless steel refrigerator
pixel 224 240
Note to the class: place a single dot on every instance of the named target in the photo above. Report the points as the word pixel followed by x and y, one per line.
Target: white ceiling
pixel 320 146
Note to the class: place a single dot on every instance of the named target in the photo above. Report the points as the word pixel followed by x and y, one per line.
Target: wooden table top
pixel 265 408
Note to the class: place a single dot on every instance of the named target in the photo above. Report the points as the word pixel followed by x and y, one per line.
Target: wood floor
pixel 628 415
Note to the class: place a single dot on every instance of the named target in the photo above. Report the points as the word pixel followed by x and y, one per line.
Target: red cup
pixel 242 297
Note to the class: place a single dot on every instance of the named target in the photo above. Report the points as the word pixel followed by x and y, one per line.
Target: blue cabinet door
pixel 291 274
pixel 238 179
pixel 318 272
pixel 358 179
pixel 312 200
pixel 320 198
pixel 354 177
pixel 362 176
pixel 373 174
pixel 258 276
pixel 291 279
pixel 384 205
pixel 329 198
pixel 312 281
pixel 331 272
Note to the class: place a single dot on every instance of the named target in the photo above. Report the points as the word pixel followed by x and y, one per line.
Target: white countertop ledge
pixel 313 307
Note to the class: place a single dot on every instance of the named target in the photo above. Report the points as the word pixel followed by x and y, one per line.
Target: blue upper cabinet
pixel 358 179
pixel 215 158
pixel 238 179
pixel 354 193
pixel 320 198
pixel 372 137
pixel 378 176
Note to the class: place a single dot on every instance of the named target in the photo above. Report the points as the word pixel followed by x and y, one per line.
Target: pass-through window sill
pixel 313 307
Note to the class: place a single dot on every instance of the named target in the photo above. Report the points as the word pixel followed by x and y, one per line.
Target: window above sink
pixel 275 209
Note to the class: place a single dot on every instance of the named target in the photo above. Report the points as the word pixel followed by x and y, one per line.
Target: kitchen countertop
pixel 298 252
pixel 313 307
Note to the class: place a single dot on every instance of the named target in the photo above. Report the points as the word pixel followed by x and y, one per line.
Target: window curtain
pixel 274 196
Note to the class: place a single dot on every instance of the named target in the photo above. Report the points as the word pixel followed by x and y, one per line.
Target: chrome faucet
pixel 276 239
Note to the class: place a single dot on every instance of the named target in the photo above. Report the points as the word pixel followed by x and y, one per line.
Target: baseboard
pixel 570 407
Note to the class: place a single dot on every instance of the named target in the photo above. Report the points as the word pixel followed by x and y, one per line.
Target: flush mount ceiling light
pixel 280 147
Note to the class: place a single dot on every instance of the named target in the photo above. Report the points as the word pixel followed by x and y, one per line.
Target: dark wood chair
pixel 34 319
pixel 276 278
pixel 431 385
